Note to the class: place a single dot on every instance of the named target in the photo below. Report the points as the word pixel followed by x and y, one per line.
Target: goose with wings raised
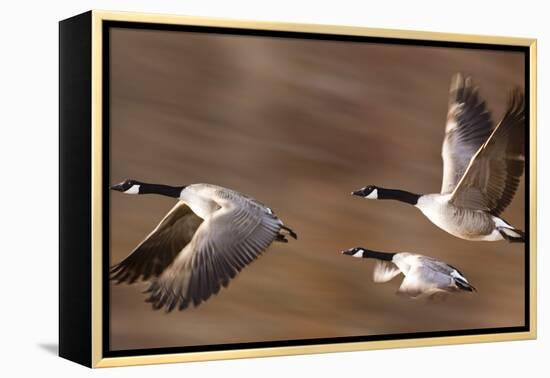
pixel 482 167
pixel 209 236
pixel 424 276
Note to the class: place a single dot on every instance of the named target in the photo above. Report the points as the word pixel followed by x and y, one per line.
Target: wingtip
pixel 457 82
pixel 463 89
pixel 516 99
pixel 468 82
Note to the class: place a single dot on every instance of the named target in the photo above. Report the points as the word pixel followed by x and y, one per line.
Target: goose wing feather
pixel 468 127
pixel 385 271
pixel 230 239
pixel 494 173
pixel 160 247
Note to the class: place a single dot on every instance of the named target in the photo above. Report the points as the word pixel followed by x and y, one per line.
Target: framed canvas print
pixel 235 189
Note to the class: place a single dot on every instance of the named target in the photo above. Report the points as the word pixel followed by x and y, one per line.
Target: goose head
pixel 128 186
pixel 369 192
pixel 369 254
pixel 131 186
pixel 355 252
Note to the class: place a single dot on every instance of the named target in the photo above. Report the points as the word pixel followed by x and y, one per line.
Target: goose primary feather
pixel 209 236
pixel 482 167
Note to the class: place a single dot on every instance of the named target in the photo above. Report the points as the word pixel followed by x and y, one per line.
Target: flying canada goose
pixel 203 242
pixel 424 276
pixel 482 167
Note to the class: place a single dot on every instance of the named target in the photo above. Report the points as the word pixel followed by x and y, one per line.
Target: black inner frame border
pixel 107 25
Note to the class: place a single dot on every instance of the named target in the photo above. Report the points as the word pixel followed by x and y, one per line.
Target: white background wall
pixel 28 151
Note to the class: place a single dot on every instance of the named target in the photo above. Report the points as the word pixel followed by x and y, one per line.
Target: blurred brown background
pixel 299 124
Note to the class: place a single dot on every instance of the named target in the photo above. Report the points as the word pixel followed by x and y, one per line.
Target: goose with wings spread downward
pixel 209 236
pixel 424 276
pixel 482 167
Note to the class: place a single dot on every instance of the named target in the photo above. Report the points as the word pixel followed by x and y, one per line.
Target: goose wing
pixel 230 239
pixel 160 247
pixel 468 127
pixel 429 276
pixel 493 175
pixel 422 280
pixel 385 271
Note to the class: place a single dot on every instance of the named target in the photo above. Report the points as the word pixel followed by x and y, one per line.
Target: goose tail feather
pixel 512 235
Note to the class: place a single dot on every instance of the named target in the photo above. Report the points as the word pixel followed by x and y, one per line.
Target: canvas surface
pixel 298 124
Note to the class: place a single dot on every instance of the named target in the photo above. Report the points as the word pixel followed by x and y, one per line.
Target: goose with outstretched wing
pixel 482 167
pixel 208 237
pixel 425 277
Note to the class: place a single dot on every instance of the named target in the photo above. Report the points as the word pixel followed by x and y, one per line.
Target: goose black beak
pixel 348 251
pixel 359 193
pixel 117 187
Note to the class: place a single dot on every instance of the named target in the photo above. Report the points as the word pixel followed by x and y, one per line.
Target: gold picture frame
pixel 82 320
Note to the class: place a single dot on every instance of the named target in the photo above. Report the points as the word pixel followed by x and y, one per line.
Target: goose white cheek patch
pixel 358 253
pixel 134 189
pixel 373 194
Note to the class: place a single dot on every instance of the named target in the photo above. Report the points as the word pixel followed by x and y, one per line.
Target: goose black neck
pixel 385 256
pixel 163 190
pixel 398 195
